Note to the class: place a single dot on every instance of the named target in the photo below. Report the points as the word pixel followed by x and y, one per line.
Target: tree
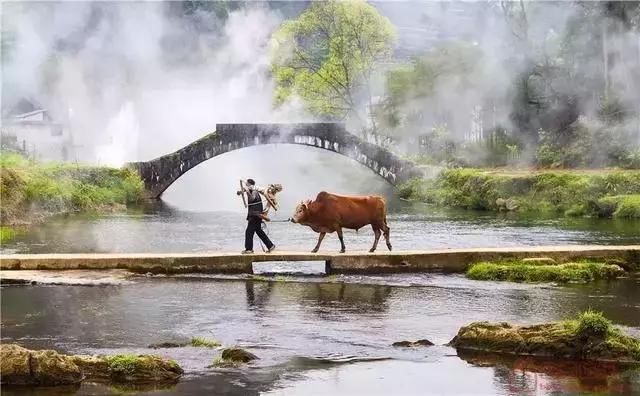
pixel 327 57
pixel 422 95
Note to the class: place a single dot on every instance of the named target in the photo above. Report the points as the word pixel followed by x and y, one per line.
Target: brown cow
pixel 331 212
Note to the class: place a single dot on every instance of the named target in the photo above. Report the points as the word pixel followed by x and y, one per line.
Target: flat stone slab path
pixel 446 260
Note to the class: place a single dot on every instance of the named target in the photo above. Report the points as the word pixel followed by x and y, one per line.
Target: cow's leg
pixel 339 231
pixel 377 233
pixel 320 238
pixel 386 230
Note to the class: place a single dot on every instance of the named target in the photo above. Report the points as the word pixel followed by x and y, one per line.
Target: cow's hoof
pixel 372 250
pixel 389 246
pixel 342 251
pixel 314 251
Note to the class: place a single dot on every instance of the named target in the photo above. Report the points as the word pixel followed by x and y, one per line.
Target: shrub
pixel 593 323
pixel 61 187
pixel 571 193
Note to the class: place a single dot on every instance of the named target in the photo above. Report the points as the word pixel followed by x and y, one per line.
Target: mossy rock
pixel 21 366
pixel 412 344
pixel 590 337
pixel 194 342
pixel 142 368
pixel 232 358
pixel 540 271
pixel 238 355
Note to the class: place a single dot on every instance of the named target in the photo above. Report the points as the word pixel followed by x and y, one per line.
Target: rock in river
pixel 21 366
pixel 129 368
pixel 590 337
pixel 237 355
pixel 233 357
pixel 409 344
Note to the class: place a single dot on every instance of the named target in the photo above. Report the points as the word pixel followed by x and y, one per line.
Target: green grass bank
pixel 604 193
pixel 31 191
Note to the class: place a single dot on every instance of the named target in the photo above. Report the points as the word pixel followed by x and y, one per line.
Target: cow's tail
pixel 385 227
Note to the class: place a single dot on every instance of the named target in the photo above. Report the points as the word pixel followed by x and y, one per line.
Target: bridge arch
pixel 158 174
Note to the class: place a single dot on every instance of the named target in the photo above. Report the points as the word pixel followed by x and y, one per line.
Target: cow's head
pixel 302 210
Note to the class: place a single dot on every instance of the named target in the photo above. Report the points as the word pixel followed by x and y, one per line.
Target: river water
pixel 163 228
pixel 317 335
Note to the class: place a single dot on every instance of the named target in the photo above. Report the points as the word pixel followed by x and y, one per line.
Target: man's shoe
pixel 271 249
pixel 247 252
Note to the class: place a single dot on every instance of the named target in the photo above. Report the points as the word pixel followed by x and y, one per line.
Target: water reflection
pixel 161 228
pixel 532 375
pixel 347 298
pixel 264 290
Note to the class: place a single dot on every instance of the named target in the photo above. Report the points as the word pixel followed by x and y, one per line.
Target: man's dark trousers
pixel 254 226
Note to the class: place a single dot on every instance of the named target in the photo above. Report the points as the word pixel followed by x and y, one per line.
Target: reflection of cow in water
pixel 331 213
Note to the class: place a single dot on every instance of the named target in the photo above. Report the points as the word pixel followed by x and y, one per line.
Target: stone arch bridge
pixel 158 174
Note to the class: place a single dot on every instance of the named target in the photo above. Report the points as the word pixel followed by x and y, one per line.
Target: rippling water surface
pixel 165 229
pixel 315 336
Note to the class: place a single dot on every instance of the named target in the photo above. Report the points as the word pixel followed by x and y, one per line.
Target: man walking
pixel 254 218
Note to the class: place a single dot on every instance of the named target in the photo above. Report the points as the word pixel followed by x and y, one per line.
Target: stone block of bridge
pixel 158 174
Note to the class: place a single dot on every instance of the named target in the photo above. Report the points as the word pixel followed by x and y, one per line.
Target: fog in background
pixel 136 80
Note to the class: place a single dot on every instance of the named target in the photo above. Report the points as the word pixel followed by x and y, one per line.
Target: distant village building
pixel 27 127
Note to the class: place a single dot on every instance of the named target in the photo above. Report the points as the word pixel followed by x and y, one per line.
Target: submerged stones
pixel 194 342
pixel 589 337
pixel 412 344
pixel 21 366
pixel 162 345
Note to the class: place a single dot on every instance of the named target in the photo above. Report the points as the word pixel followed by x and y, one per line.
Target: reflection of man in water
pixel 254 219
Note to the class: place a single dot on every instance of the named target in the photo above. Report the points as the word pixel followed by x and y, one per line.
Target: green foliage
pixel 123 364
pixel 593 323
pixel 9 159
pixel 570 193
pixel 7 234
pixel 203 342
pixel 581 146
pixel 61 187
pixel 328 53
pixel 409 88
pixel 620 206
pixel 518 271
pixel 414 189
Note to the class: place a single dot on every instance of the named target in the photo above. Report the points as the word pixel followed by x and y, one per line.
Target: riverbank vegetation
pixel 546 96
pixel 33 190
pixel 532 272
pixel 588 336
pixel 603 193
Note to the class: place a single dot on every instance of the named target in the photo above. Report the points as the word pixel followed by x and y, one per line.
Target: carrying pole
pixel 244 200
